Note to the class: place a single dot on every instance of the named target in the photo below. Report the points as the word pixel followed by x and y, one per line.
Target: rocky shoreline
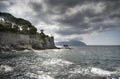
pixel 18 34
pixel 19 42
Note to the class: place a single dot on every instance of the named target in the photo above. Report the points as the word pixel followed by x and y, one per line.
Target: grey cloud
pixel 3 6
pixel 77 30
pixel 114 16
pixel 112 10
pixel 72 20
pixel 75 22
pixel 36 6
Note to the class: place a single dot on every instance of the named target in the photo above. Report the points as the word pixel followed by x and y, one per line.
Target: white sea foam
pixel 102 72
pixel 5 68
pixel 26 50
pixel 44 77
pixel 92 71
pixel 80 70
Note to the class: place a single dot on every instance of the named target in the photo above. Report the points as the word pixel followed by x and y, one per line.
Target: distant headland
pixel 20 34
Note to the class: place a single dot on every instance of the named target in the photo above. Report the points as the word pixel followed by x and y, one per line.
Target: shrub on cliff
pixel 15 29
pixel 6 26
pixel 32 30
pixel 2 28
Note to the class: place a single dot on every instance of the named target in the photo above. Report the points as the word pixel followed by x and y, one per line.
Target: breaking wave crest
pixel 71 69
pixel 5 68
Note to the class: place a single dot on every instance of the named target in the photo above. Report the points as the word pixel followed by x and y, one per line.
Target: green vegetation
pixel 16 25
pixel 9 23
pixel 15 29
pixel 42 36
pixel 5 26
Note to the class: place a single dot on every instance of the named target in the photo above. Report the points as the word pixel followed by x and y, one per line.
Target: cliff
pixel 11 41
pixel 20 34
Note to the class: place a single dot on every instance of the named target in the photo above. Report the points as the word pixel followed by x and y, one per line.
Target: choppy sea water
pixel 86 62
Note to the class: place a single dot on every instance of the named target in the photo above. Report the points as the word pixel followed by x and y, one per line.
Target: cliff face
pixel 11 41
pixel 20 34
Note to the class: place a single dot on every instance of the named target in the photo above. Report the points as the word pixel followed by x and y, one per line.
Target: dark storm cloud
pixel 62 5
pixel 76 21
pixel 72 20
pixel 41 13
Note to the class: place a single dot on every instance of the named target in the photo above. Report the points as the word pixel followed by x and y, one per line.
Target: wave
pixel 5 68
pixel 43 65
pixel 73 69
pixel 93 71
pixel 102 72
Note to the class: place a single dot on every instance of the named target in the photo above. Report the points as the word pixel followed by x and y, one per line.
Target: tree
pixel 32 30
pixel 25 29
pixel 21 21
pixel 42 36
pixel 15 29
pixel 7 26
pixel 2 28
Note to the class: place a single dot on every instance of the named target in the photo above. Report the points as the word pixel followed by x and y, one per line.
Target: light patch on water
pixel 59 62
pixel 5 68
pixel 38 76
pixel 44 77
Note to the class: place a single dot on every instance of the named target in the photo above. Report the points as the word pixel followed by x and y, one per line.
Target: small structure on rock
pixel 66 46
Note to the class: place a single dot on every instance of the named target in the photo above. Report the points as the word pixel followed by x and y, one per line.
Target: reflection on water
pixel 78 63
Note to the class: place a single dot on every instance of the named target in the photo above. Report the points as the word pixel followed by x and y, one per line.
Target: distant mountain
pixel 71 43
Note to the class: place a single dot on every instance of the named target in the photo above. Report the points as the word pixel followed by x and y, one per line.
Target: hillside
pixel 9 23
pixel 20 34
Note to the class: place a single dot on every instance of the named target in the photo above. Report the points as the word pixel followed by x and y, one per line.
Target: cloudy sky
pixel 95 22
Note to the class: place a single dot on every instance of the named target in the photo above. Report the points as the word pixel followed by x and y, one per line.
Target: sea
pixel 81 62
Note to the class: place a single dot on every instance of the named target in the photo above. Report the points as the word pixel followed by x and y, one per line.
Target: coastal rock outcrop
pixel 20 34
pixel 11 41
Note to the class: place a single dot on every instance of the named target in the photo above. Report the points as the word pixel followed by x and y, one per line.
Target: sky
pixel 94 22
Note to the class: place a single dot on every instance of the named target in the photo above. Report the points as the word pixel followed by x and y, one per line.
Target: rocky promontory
pixel 20 34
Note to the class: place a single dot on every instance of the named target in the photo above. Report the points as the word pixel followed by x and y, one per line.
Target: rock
pixel 18 42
